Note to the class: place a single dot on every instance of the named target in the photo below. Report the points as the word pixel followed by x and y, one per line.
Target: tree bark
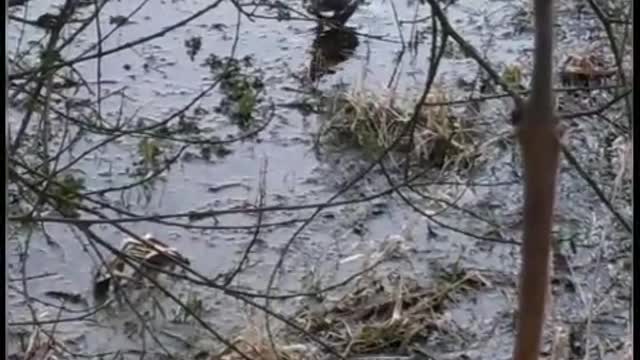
pixel 536 128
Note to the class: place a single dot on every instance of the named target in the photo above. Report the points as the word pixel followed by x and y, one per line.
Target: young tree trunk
pixel 6 189
pixel 539 142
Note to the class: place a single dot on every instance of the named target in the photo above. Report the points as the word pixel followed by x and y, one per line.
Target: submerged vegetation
pixel 240 85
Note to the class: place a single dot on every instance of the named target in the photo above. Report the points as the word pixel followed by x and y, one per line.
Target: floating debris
pixel 73 298
pixel 585 70
pixel 150 254
pixel 120 20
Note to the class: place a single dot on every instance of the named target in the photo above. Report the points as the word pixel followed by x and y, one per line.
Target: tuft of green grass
pixel 240 85
pixel 512 75
pixel 66 192
pixel 194 303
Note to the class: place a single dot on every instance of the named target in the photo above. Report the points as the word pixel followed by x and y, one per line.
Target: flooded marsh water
pixel 148 83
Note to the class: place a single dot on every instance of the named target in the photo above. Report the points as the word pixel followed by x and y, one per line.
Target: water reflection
pixel 329 49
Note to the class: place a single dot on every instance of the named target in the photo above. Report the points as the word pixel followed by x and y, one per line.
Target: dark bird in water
pixel 336 12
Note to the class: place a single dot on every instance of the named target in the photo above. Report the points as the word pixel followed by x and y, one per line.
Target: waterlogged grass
pixel 373 122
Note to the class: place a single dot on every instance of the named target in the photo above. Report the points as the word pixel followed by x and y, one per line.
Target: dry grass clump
pixel 385 315
pixel 381 314
pixel 373 122
pixel 254 342
pixel 258 348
